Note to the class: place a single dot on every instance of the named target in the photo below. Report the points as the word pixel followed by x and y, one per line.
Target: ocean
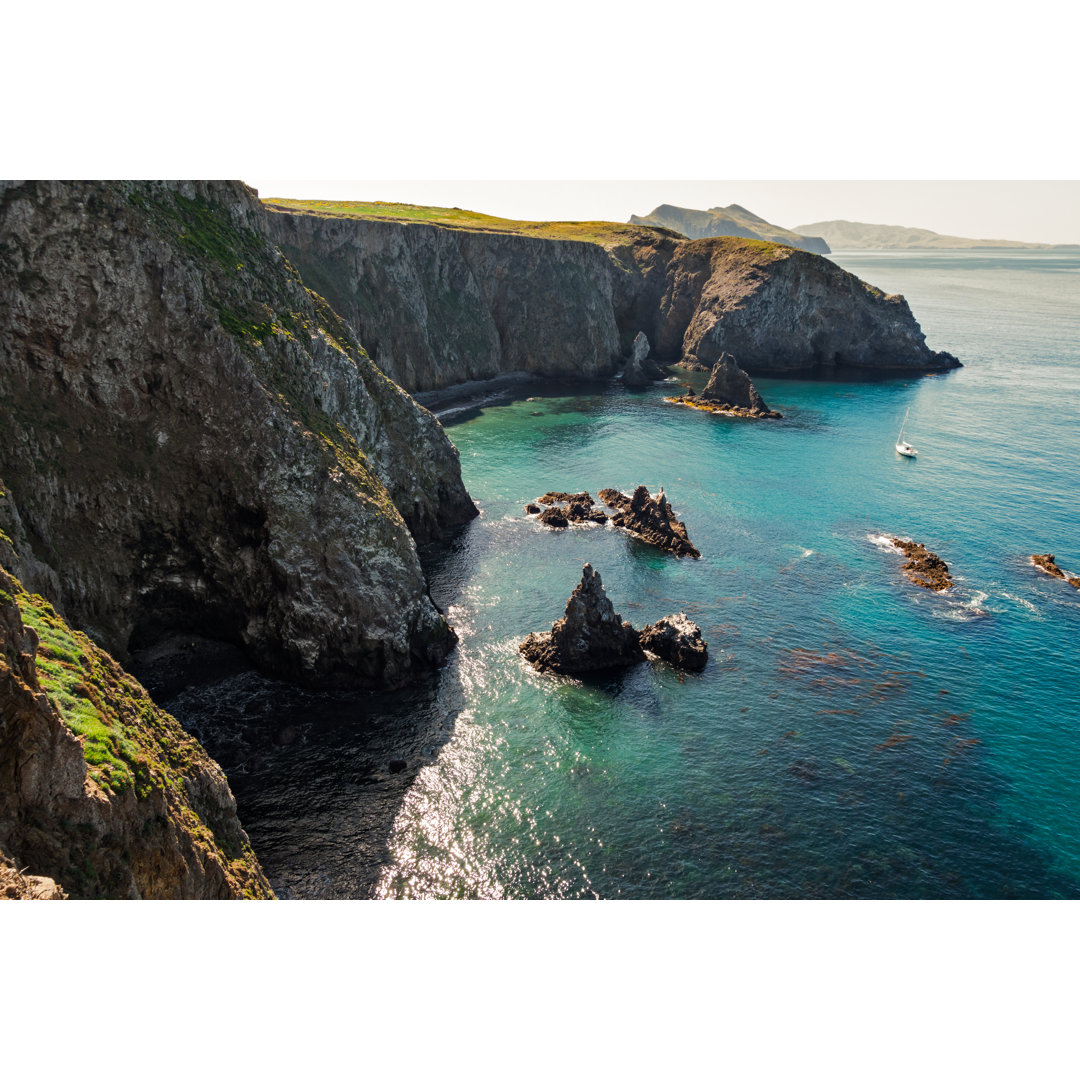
pixel 852 736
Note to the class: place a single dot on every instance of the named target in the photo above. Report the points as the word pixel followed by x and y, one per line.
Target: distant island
pixel 846 235
pixel 730 220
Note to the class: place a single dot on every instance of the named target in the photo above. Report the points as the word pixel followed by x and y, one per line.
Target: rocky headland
pixel 729 392
pixel 473 298
pixel 1048 565
pixel 650 519
pixel 923 567
pixel 591 636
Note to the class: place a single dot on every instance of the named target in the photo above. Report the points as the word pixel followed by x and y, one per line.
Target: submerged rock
pixel 650 519
pixel 1047 564
pixel 677 640
pixel 923 567
pixel 730 391
pixel 640 370
pixel 589 637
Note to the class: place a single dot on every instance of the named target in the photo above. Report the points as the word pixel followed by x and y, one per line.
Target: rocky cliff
pixel 102 794
pixel 436 306
pixel 195 441
pixel 440 304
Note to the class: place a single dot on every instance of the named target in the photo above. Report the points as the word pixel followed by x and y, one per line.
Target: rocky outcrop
pixel 1047 564
pixel 102 794
pixel 780 311
pixel 677 640
pixel 439 306
pixel 197 443
pixel 589 637
pixel 564 508
pixel 640 370
pixel 729 391
pixel 923 567
pixel 651 520
pixel 733 220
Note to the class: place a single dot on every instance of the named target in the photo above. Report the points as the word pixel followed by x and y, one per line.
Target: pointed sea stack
pixel 730 391
pixel 640 370
pixel 651 520
pixel 589 637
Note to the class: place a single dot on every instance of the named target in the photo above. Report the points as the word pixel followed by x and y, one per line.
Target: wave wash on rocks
pixel 196 442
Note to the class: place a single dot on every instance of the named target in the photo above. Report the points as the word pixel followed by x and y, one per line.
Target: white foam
pixel 878 540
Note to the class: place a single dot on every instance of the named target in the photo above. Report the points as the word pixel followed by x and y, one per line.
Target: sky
pixel 922 115
pixel 1046 212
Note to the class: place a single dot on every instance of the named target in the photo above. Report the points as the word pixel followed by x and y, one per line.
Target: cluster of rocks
pixel 650 519
pixel 1046 563
pixel 564 507
pixel 923 567
pixel 729 391
pixel 591 636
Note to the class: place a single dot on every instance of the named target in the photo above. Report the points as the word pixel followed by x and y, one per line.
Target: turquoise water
pixel 851 736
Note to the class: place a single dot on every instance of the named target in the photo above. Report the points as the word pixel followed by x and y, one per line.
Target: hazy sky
pixel 1035 211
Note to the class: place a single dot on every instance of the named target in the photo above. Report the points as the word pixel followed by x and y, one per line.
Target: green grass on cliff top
pixel 595 232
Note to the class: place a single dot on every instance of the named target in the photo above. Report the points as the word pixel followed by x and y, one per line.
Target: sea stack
pixel 640 370
pixel 729 385
pixel 589 637
pixel 650 519
pixel 729 391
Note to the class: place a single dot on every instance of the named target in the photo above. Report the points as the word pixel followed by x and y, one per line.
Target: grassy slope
pixel 594 232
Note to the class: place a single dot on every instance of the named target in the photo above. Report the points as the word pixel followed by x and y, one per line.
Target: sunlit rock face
pixel 195 441
pixel 589 637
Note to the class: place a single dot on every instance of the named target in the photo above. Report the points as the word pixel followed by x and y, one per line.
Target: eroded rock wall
pixel 195 441
pixel 439 306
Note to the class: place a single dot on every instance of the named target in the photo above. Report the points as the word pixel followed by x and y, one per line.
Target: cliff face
pixel 437 306
pixel 779 311
pixel 101 791
pixel 196 442
pixel 443 305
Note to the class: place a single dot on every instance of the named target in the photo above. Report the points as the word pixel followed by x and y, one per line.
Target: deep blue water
pixel 851 736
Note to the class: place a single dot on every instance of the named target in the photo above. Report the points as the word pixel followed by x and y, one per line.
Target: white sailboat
pixel 902 447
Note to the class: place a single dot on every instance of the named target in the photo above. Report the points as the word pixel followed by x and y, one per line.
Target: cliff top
pixel 595 232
